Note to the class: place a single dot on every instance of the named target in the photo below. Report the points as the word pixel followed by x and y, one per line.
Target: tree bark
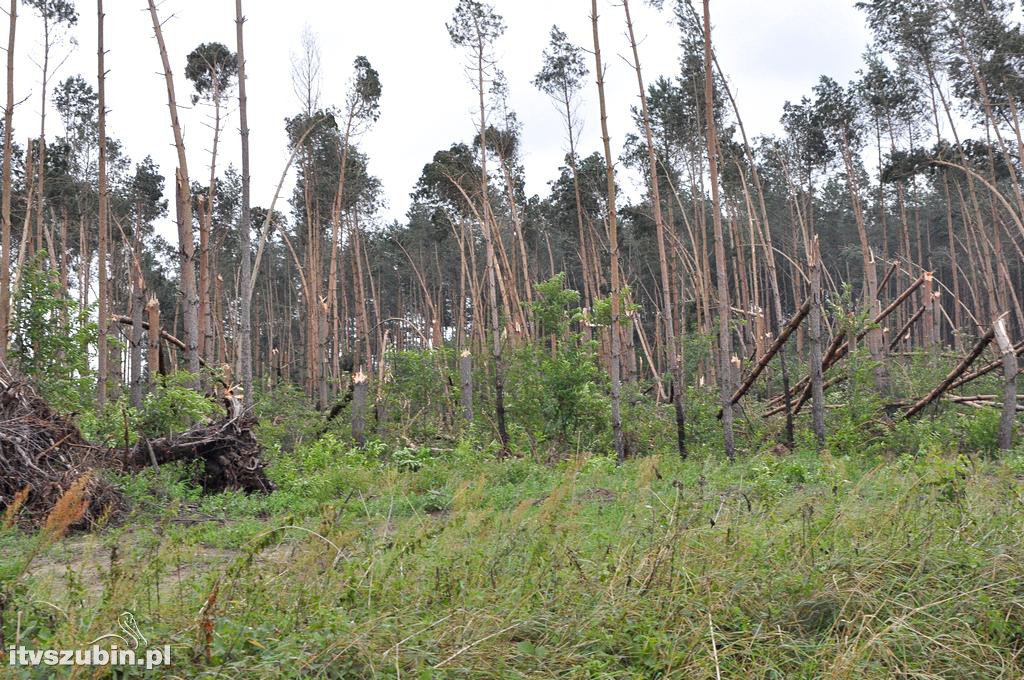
pixel 466 385
pixel 1010 369
pixel 360 388
pixel 138 303
pixel 153 343
pixel 183 205
pixel 671 348
pixel 102 313
pixel 244 245
pixel 5 200
pixel 814 335
pixel 613 242
pixel 721 265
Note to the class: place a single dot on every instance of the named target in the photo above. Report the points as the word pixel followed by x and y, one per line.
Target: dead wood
pixel 43 454
pixel 964 364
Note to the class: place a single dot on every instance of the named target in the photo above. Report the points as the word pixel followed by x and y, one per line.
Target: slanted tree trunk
pixel 957 371
pixel 183 213
pixel 1010 369
pixel 613 242
pixel 721 264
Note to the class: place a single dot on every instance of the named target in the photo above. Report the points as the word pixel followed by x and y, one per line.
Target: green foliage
pixel 602 311
pixel 50 338
pixel 556 396
pixel 559 400
pixel 173 406
pixel 286 418
pixel 557 307
pixel 417 392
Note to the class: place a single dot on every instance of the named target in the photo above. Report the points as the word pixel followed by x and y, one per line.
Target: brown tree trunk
pixel 5 200
pixel 245 274
pixel 138 303
pixel 721 265
pixel 360 388
pixel 153 345
pixel 103 311
pixel 466 385
pixel 678 389
pixel 814 335
pixel 183 205
pixel 1010 370
pixel 613 242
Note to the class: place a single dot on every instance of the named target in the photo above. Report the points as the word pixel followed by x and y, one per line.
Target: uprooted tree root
pixel 43 454
pixel 228 449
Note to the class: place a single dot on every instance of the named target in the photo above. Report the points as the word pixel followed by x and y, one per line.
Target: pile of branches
pixel 42 454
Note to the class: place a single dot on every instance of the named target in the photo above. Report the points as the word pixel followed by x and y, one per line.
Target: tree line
pixel 890 211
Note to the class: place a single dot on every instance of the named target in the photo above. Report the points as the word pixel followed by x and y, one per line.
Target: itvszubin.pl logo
pixel 124 651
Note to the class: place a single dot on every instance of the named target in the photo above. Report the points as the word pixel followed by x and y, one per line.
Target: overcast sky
pixel 771 50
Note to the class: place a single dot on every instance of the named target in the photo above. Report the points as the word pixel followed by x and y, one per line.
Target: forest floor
pixel 794 566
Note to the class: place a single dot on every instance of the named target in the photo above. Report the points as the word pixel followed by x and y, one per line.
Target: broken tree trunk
pixel 466 384
pixel 360 387
pixel 1009 360
pixel 964 364
pixel 838 349
pixel 814 334
pixel 127 321
pixel 986 369
pixel 904 333
pixel 153 343
pixel 780 341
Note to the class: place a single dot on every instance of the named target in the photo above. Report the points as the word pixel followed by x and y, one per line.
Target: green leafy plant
pixel 50 338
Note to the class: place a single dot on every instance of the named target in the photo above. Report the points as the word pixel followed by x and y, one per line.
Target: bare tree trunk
pixel 360 387
pixel 102 312
pixel 613 242
pixel 5 201
pixel 671 346
pixel 1010 369
pixel 138 303
pixel 721 265
pixel 153 345
pixel 205 210
pixel 466 385
pixel 814 335
pixel 183 205
pixel 41 144
pixel 245 301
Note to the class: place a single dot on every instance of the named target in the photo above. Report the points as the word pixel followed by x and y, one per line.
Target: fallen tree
pixel 227 449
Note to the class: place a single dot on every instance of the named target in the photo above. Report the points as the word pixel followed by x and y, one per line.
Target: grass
pixel 454 565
